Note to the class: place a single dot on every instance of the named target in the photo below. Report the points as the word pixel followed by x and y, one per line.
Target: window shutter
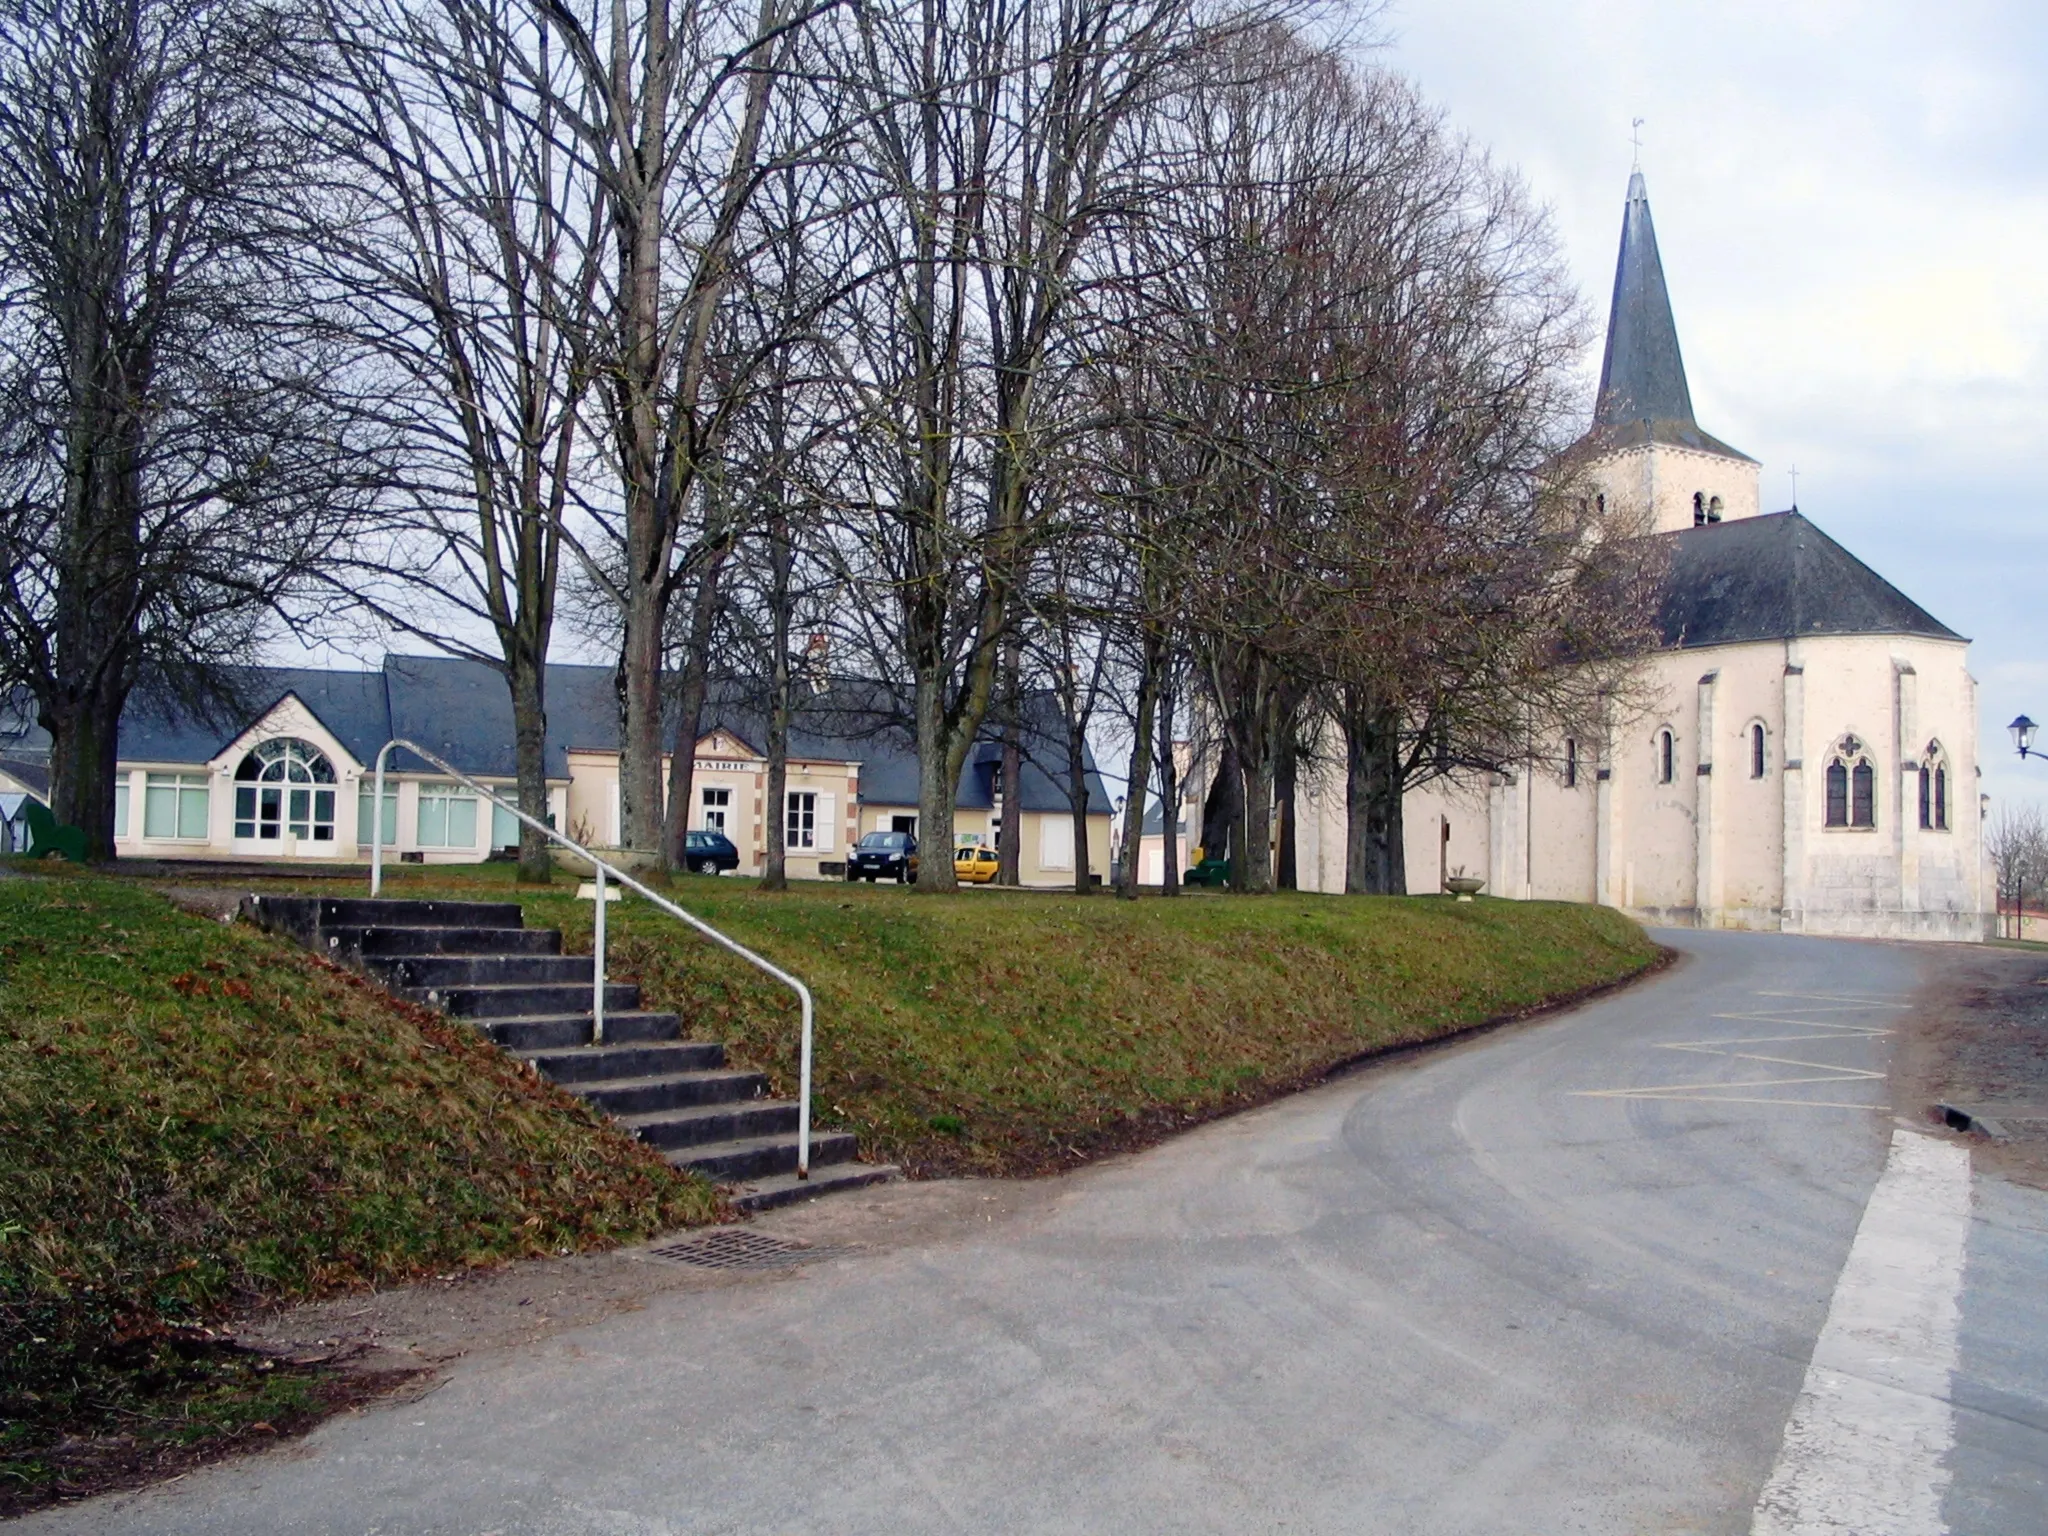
pixel 1055 842
pixel 827 825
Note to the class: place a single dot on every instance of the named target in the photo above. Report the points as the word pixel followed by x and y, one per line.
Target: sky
pixel 1852 207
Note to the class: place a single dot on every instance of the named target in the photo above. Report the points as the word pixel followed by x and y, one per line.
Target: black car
pixel 711 851
pixel 882 855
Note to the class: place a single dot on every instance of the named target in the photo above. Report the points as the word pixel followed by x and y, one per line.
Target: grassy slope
pixel 195 1117
pixel 1006 1033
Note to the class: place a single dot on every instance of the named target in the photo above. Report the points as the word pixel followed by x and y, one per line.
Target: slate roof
pixel 32 773
pixel 350 704
pixel 463 711
pixel 1777 577
pixel 1643 394
pixel 862 721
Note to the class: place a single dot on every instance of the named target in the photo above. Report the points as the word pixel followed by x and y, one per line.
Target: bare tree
pixel 2016 842
pixel 993 136
pixel 673 107
pixel 175 461
pixel 465 240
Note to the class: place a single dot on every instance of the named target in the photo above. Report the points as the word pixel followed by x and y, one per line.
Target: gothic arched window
pixel 1756 750
pixel 1838 794
pixel 1851 786
pixel 1934 790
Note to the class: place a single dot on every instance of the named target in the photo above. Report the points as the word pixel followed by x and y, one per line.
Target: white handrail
pixel 604 870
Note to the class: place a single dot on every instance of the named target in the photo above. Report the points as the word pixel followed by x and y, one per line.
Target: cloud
pixel 1851 208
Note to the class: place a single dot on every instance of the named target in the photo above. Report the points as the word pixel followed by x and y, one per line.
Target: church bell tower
pixel 1646 455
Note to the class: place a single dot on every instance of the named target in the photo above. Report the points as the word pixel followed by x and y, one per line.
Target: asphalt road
pixel 1576 1276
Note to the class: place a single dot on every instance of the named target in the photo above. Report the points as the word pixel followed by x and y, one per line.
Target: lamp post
pixel 2023 736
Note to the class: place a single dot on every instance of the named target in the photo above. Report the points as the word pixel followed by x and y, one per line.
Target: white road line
pixel 1864 1448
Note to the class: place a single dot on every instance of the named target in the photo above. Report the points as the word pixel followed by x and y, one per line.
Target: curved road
pixel 1569 1277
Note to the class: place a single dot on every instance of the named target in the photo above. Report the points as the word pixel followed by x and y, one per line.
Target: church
pixel 1807 762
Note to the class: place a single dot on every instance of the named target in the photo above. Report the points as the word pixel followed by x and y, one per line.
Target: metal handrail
pixel 803 993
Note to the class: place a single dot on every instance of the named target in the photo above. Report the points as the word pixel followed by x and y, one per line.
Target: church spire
pixel 1642 377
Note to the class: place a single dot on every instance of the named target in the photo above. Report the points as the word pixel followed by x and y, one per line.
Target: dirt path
pixel 1978 1042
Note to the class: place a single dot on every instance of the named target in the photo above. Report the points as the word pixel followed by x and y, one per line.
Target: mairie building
pixel 286 772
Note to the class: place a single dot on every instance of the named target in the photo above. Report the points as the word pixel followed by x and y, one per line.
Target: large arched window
pixel 285 785
pixel 1851 786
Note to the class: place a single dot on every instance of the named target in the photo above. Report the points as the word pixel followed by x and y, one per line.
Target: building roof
pixel 31 773
pixel 1778 577
pixel 462 710
pixel 156 728
pixel 1643 395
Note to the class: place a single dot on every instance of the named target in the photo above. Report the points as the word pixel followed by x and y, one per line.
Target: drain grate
pixel 739 1248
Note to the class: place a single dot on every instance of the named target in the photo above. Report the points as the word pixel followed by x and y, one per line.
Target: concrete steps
pixel 476 961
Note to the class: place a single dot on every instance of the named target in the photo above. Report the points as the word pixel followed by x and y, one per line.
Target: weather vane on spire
pixel 1635 137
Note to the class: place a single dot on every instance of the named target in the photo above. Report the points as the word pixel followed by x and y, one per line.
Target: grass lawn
pixel 1003 1032
pixel 195 1118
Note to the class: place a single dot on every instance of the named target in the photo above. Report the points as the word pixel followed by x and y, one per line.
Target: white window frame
pixel 366 791
pixel 449 795
pixel 800 820
pixel 121 806
pixel 713 813
pixel 503 821
pixel 184 789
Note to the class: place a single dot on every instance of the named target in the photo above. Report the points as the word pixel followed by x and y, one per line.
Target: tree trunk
pixel 1077 805
pixel 529 739
pixel 1254 873
pixel 775 869
pixel 1134 791
pixel 935 786
pixel 682 765
pixel 84 747
pixel 1284 875
pixel 1223 810
pixel 1010 835
pixel 1169 796
pixel 1375 856
pixel 640 808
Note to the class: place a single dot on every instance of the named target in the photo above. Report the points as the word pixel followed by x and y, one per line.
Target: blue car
pixel 709 853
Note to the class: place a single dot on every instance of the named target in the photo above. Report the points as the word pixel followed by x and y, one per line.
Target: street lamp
pixel 2023 736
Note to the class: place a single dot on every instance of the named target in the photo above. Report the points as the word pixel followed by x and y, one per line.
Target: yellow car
pixel 974 866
